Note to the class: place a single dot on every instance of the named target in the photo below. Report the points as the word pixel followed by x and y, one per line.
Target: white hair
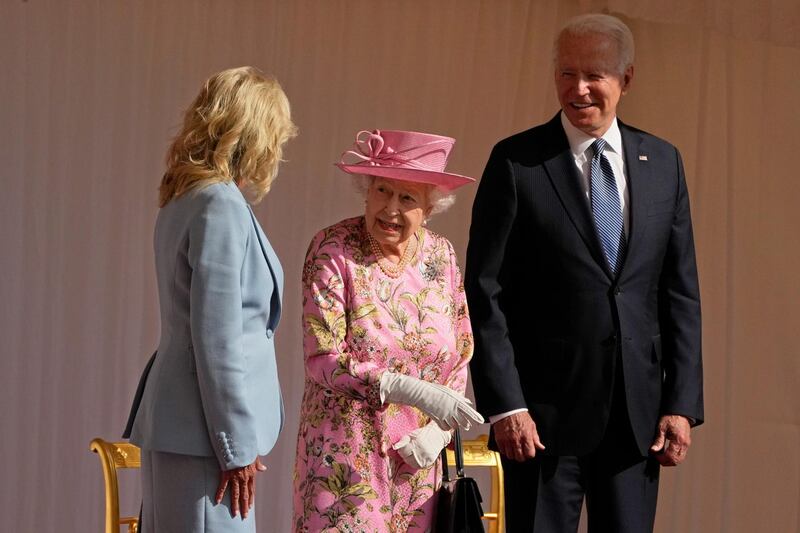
pixel 438 200
pixel 606 25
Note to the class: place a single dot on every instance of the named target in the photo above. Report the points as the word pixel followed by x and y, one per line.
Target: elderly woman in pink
pixel 387 339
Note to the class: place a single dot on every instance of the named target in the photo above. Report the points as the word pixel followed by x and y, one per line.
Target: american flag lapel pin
pixel 642 158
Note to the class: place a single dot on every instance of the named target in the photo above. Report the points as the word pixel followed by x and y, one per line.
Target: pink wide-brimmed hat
pixel 403 155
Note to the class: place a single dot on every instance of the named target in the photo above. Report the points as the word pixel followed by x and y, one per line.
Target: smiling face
pixel 395 211
pixel 588 81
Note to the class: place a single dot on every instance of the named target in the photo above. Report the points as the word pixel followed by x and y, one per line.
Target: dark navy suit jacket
pixel 550 320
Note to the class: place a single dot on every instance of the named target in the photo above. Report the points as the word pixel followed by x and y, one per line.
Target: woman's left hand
pixel 242 482
pixel 421 447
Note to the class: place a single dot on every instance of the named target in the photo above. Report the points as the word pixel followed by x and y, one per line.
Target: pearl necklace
pixel 388 268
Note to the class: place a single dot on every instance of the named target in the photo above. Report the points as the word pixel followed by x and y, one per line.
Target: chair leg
pixel 131 522
pixel 499 495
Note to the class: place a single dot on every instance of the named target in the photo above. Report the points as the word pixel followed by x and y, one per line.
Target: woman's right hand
pixel 242 484
pixel 444 405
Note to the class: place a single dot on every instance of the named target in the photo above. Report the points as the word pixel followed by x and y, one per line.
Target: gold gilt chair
pixel 114 455
pixel 477 453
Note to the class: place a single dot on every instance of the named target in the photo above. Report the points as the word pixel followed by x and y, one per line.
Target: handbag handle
pixel 459 453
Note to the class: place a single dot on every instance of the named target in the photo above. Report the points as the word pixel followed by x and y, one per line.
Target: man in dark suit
pixel 582 285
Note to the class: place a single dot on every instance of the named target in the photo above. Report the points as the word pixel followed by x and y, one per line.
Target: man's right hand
pixel 516 436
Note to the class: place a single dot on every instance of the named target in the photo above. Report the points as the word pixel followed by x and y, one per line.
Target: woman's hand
pixel 242 482
pixel 447 407
pixel 421 447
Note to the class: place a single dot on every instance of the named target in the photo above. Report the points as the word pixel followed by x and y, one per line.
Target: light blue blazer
pixel 212 389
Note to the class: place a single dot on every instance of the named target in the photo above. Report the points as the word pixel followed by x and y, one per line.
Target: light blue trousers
pixel 178 496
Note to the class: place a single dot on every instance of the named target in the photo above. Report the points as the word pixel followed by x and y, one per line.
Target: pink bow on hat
pixel 403 155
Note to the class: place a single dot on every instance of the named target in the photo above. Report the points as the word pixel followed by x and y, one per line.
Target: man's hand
pixel 516 437
pixel 242 482
pixel 672 440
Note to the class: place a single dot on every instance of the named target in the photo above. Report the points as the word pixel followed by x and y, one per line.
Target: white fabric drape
pixel 93 90
pixel 775 22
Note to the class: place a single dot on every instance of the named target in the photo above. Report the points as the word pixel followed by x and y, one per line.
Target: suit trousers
pixel 178 496
pixel 545 494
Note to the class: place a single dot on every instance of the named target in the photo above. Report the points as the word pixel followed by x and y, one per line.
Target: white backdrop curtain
pixel 92 91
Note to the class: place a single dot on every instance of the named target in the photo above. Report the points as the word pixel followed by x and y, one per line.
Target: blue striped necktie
pixel 606 207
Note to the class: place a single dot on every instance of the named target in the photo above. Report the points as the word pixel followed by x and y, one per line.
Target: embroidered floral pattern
pixel 357 324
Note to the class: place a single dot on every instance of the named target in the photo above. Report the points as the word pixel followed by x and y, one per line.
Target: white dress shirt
pixel 579 143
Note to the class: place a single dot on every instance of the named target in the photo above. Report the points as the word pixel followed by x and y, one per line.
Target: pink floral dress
pixel 358 322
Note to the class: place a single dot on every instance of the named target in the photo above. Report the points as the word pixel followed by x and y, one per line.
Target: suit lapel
pixel 638 170
pixel 566 181
pixel 275 270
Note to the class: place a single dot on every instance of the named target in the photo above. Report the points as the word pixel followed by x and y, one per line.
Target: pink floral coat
pixel 357 324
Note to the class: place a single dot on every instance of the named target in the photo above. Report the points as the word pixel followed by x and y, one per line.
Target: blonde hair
pixel 234 131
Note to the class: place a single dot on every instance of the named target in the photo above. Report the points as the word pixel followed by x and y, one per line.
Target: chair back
pixel 477 453
pixel 115 455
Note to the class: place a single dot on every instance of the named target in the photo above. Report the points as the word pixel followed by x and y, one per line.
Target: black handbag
pixel 459 507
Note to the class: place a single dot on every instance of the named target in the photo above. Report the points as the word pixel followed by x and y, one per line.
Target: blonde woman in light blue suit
pixel 209 402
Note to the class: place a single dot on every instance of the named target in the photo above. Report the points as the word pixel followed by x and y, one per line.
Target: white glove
pixel 444 405
pixel 422 447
